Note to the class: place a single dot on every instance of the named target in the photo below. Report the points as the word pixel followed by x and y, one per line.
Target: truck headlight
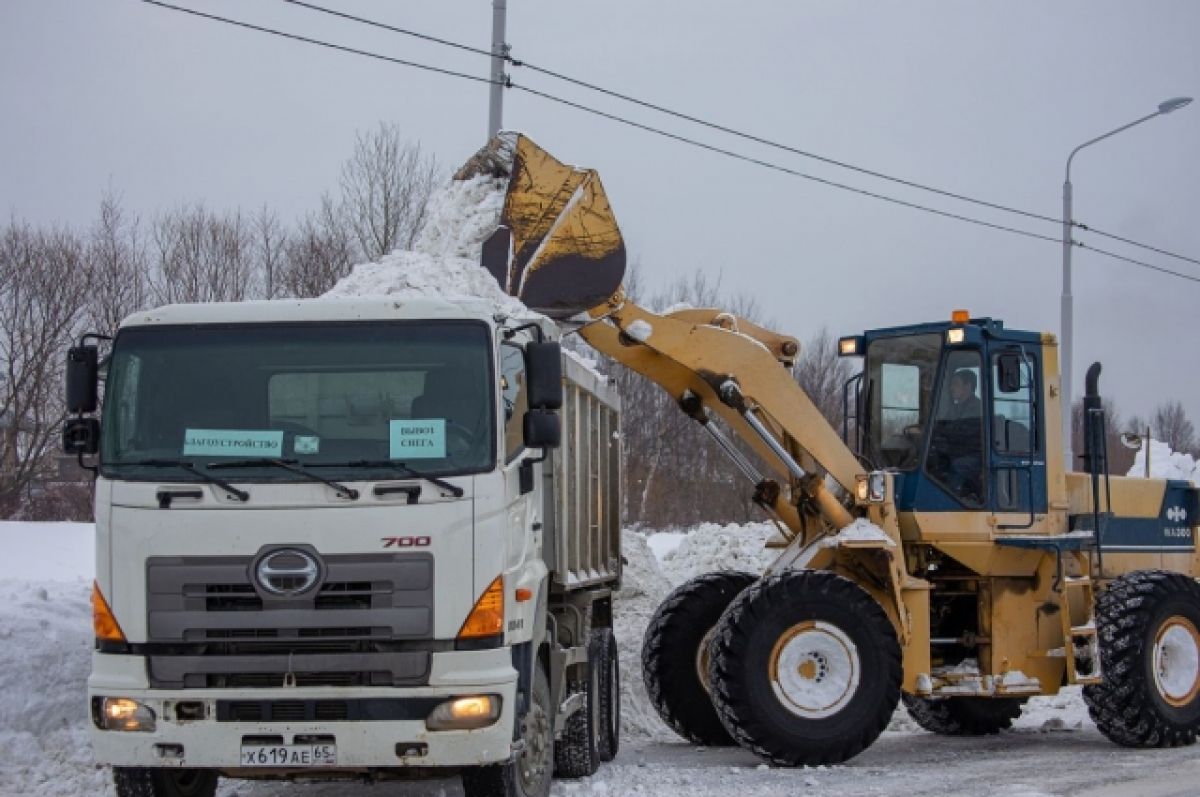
pixel 464 713
pixel 122 714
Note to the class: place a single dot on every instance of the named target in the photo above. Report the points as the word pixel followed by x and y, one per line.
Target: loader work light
pixel 954 336
pixel 851 346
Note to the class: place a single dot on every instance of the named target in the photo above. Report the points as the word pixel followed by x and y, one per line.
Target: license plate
pixel 289 755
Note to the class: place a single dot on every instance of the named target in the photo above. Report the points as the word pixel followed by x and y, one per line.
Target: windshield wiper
pixel 453 489
pixel 190 467
pixel 288 465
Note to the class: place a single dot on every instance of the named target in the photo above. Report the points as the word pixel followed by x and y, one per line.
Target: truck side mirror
pixel 82 379
pixel 1010 372
pixel 81 436
pixel 542 429
pixel 543 367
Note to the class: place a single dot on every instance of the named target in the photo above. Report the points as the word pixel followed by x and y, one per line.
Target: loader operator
pixel 956 446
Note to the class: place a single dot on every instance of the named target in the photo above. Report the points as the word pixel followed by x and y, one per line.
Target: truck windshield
pixel 899 382
pixel 353 398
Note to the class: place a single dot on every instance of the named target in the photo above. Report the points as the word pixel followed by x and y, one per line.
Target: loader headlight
pixel 872 487
pixel 464 713
pixel 122 714
pixel 851 346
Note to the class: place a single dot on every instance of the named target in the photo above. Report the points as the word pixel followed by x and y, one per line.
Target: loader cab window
pixel 1013 416
pixel 899 387
pixel 955 458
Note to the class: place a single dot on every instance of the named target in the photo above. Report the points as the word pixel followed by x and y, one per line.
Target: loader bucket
pixel 558 248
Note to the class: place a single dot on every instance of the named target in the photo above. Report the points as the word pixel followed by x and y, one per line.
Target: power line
pixel 1141 263
pixel 680 115
pixel 319 43
pixel 1094 231
pixel 665 134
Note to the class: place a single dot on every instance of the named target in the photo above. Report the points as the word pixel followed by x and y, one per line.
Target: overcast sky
pixel 979 98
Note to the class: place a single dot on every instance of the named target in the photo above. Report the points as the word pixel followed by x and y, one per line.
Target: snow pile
pixel 711 546
pixel 643 588
pixel 862 530
pixel 1165 463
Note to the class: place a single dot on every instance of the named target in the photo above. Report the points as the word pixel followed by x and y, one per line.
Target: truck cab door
pixel 1016 453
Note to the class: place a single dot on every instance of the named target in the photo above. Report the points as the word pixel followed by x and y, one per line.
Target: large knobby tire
pixel 148 782
pixel 531 770
pixel 675 654
pixel 805 669
pixel 608 699
pixel 1148 623
pixel 575 753
pixel 964 716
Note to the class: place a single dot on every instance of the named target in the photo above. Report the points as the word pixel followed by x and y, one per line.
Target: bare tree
pixel 386 185
pixel 43 285
pixel 117 264
pixel 1171 425
pixel 270 247
pixel 823 374
pixel 201 256
pixel 318 254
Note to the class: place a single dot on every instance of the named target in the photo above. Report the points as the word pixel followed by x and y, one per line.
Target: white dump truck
pixel 360 538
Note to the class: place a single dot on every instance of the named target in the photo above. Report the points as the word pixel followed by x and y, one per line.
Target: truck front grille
pixel 210 627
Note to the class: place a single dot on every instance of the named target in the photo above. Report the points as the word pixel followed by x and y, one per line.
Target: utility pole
pixel 499 54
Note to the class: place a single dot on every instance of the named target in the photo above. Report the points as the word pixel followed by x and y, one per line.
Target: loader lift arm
pixel 714 362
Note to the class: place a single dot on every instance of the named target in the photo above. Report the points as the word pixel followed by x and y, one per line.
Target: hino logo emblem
pixel 287 571
pixel 1176 514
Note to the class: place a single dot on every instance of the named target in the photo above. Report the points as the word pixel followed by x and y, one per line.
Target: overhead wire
pixel 658 131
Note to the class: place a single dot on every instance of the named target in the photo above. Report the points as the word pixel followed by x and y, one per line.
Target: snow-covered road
pixel 45 645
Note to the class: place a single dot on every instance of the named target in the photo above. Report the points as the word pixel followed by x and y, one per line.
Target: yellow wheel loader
pixel 936 549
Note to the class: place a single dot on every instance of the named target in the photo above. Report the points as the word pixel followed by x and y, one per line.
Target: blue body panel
pixel 1172 531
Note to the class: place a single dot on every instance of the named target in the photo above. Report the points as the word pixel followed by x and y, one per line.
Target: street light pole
pixel 499 54
pixel 1067 299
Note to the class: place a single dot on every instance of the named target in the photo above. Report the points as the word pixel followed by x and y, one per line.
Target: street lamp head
pixel 1173 104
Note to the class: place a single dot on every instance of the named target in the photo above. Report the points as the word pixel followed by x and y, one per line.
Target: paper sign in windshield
pixel 424 439
pixel 231 443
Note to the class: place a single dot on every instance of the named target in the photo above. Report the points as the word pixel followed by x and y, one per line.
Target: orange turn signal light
pixel 104 623
pixel 487 617
pixel 959 317
pixel 523 594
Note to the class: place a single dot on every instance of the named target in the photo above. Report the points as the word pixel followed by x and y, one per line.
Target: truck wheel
pixel 675 654
pixel 805 669
pixel 964 716
pixel 608 730
pixel 530 771
pixel 576 754
pixel 1148 623
pixel 148 782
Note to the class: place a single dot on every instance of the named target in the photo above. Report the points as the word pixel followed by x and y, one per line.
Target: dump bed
pixel 583 490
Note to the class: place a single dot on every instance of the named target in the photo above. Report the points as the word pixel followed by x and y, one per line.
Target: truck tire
pixel 576 753
pixel 805 669
pixel 1148 623
pixel 529 773
pixel 608 730
pixel 675 654
pixel 964 716
pixel 161 782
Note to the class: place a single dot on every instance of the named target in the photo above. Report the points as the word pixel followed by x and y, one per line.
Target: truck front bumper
pixel 371 728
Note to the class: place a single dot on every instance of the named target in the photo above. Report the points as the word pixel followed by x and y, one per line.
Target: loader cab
pixel 955 411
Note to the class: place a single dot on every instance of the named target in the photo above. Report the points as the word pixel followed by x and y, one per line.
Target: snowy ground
pixel 45 643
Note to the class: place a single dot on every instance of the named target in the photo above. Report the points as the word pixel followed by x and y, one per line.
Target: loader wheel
pixel 964 716
pixel 805 669
pixel 604 656
pixel 675 654
pixel 1148 623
